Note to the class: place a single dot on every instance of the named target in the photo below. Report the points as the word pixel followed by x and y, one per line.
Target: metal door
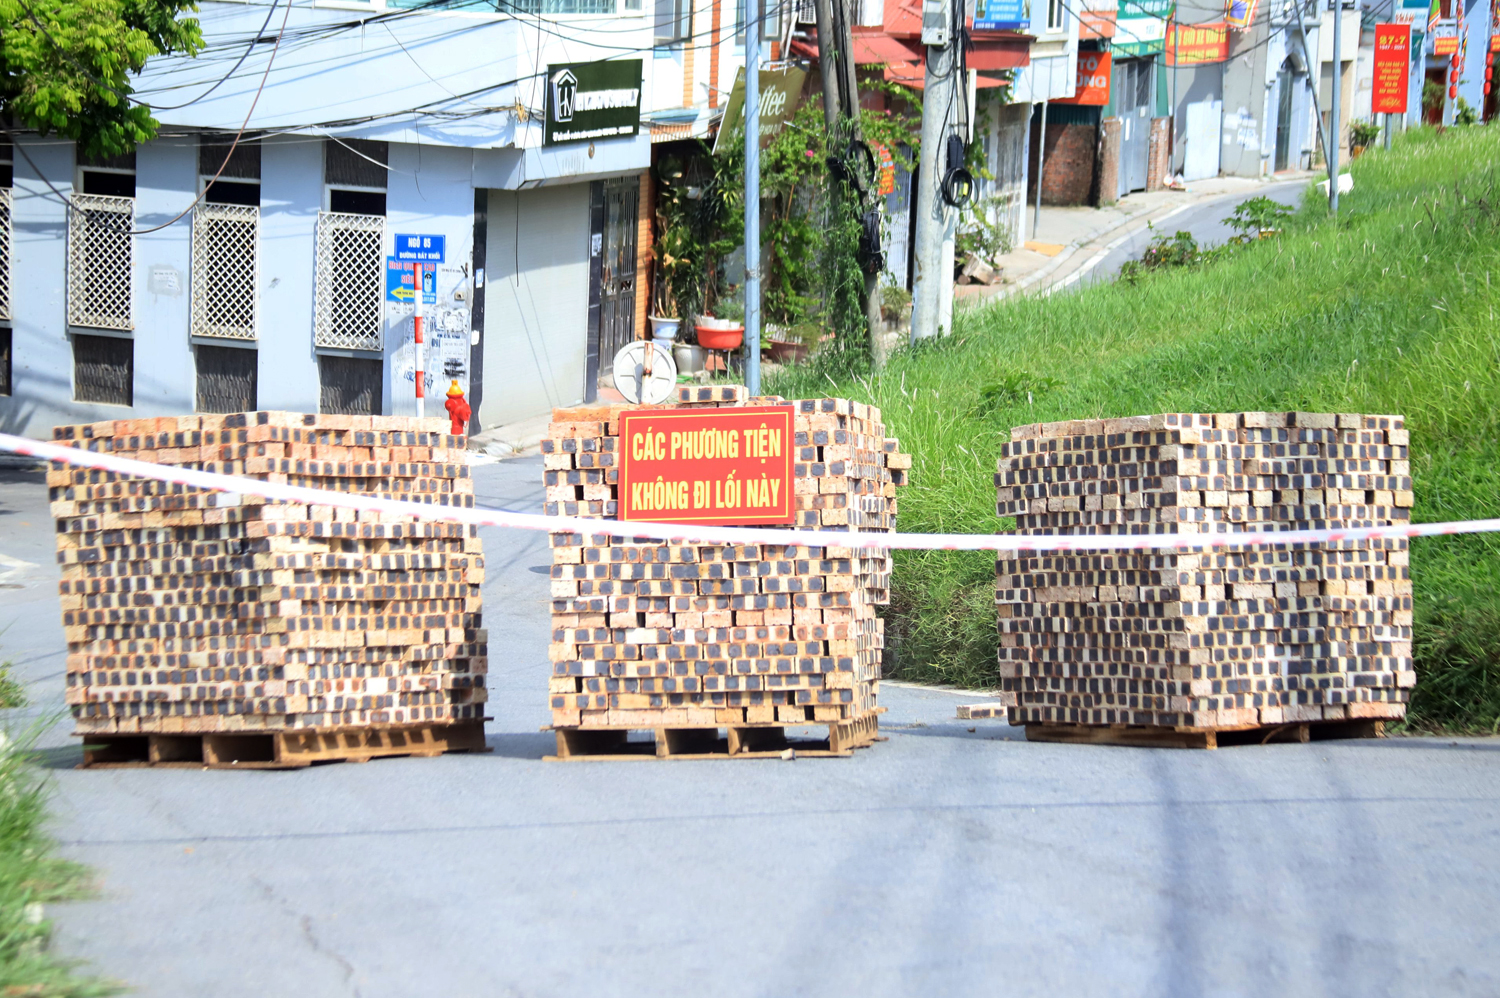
pixel 1135 124
pixel 1283 119
pixel 1205 128
pixel 617 280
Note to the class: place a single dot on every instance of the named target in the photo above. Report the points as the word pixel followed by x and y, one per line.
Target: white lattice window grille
pixel 350 281
pixel 5 253
pixel 225 274
pixel 99 261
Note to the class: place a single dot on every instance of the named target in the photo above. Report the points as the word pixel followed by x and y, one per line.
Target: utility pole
pixel 841 116
pixel 1176 39
pixel 752 200
pixel 937 221
pixel 1336 133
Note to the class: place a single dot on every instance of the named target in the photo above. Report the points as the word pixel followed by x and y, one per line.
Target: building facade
pixel 186 277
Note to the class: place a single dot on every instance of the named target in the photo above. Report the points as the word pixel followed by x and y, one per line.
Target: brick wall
pixel 1068 173
pixel 1160 162
pixel 1109 161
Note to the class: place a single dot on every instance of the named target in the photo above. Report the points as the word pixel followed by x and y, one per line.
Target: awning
pixel 873 48
pixel 914 75
pixel 995 52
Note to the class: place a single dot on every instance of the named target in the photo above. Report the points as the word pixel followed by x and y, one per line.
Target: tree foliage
pixel 66 65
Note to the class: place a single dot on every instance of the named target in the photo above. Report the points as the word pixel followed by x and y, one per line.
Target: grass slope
pixel 1389 309
pixel 32 876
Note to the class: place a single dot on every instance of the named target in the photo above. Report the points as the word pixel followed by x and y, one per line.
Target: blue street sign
pixel 398 284
pixel 413 248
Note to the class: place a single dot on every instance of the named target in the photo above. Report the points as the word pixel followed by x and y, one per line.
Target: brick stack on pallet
pixel 216 628
pixel 685 639
pixel 1166 647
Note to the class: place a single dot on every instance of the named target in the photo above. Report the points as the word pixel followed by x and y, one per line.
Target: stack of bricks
pixel 649 634
pixel 194 612
pixel 1220 638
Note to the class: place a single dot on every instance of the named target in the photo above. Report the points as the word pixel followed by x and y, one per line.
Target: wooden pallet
pixel 1204 738
pixel 756 741
pixel 295 749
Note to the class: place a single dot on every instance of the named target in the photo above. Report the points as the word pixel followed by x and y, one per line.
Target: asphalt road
pixel 1205 220
pixel 953 859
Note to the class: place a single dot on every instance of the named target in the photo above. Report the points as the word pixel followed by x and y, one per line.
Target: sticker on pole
pixel 415 248
pixel 400 287
pixel 725 466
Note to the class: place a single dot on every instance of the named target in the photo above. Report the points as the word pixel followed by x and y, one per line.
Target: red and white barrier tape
pixel 677 532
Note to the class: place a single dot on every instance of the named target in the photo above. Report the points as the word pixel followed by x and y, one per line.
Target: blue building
pixel 204 274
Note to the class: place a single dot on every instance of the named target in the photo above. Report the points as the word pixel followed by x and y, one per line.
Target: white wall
pixel 41 355
pixel 536 301
pixel 166 182
pixel 428 192
pixel 291 193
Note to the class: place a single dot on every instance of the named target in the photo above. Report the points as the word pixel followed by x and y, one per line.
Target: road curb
pixel 1037 280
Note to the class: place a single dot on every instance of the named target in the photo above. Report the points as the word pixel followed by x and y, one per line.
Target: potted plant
pixel 664 318
pixel 1361 135
pixel 895 303
pixel 790 345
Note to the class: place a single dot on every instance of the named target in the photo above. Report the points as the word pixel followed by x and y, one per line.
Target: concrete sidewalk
pixel 1067 229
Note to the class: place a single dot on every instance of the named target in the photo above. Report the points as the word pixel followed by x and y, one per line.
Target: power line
pixel 125 95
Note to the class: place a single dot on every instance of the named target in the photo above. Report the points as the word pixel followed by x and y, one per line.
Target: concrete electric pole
pixel 752 200
pixel 937 221
pixel 841 116
pixel 1335 133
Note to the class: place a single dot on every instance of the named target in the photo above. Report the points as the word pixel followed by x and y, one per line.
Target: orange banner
pixel 1392 68
pixel 724 466
pixel 1197 44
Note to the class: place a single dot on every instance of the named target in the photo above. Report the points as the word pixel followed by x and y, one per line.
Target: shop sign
pixel 592 100
pixel 719 466
pixel 1160 10
pixel 1197 44
pixel 1444 39
pixel 1000 15
pixel 1141 26
pixel 1093 80
pixel 1392 68
pixel 1410 11
pixel 399 285
pixel 780 96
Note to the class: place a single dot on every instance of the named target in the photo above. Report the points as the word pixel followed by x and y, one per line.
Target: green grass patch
pixel 1391 308
pixel 32 876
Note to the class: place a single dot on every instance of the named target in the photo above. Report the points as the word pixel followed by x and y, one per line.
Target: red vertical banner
pixel 1392 68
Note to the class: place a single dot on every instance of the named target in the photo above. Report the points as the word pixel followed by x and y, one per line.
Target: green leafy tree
pixel 66 66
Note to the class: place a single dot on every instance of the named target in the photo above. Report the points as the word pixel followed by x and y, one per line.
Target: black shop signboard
pixel 592 100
